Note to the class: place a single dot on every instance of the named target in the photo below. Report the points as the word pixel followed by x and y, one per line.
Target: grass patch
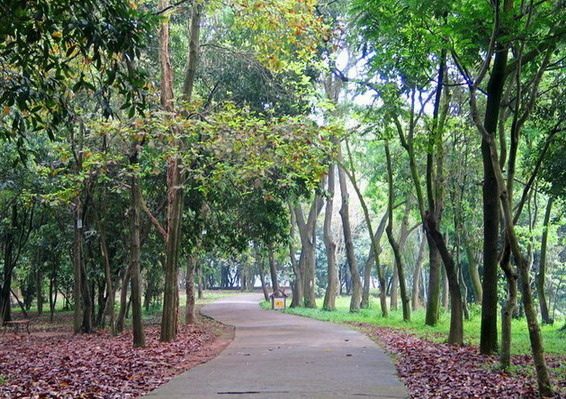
pixel 554 339
pixel 3 380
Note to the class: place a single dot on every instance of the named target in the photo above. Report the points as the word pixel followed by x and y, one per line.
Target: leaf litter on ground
pixel 98 365
pixel 432 370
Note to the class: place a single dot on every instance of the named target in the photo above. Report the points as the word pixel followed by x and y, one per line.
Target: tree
pixel 498 191
pixel 41 44
pixel 405 300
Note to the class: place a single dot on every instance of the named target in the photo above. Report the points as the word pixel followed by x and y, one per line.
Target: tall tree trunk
pixel 490 192
pixel 374 238
pixel 273 269
pixel 433 288
pixel 330 244
pixel 261 270
pixel 417 275
pixel 473 270
pixel 77 260
pixel 192 270
pixel 403 235
pixel 110 293
pixel 356 297
pixel 39 286
pixel 543 378
pixel 509 307
pixel 372 258
pixel 175 192
pixel 456 334
pixel 135 256
pixel 200 282
pixel 88 301
pixel 52 296
pixel 393 291
pixel 307 263
pixel 497 79
pixel 297 284
pixel 169 321
pixel 9 264
pixel 123 300
pixel 435 190
pixel 445 290
pixel 541 275
pixel 190 313
pixel 405 301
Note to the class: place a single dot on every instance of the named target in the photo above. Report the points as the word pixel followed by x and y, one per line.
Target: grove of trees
pixel 413 147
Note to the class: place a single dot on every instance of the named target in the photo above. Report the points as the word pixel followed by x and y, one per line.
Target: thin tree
pixel 405 300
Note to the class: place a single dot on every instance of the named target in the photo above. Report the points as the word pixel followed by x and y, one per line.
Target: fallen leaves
pixel 96 365
pixel 434 370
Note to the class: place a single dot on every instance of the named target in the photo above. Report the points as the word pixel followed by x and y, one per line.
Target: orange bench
pixel 16 324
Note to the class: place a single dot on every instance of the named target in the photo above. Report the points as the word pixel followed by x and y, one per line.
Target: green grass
pixel 554 340
pixel 3 379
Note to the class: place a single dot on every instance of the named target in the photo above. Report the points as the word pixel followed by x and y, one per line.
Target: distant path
pixel 275 356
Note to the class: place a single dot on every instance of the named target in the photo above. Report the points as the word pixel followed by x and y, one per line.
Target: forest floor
pixel 437 370
pixel 51 362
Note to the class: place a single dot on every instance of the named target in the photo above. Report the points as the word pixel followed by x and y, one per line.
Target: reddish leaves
pixel 433 370
pixel 96 365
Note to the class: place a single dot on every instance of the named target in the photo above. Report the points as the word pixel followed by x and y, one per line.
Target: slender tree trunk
pixel 356 298
pixel 456 334
pixel 77 260
pixel 5 306
pixel 435 189
pixel 259 265
pixel 307 261
pixel 374 238
pixel 192 270
pixel 175 192
pixel 417 275
pixel 433 288
pixel 393 291
pixel 273 269
pixel 39 287
pixel 52 296
pixel 200 282
pixel 445 291
pixel 488 336
pixel 473 270
pixel 330 244
pixel 372 258
pixel 509 308
pixel 403 235
pixel 135 257
pixel 541 275
pixel 190 313
pixel 405 301
pixel 297 284
pixel 88 301
pixel 543 378
pixel 110 298
pixel 123 300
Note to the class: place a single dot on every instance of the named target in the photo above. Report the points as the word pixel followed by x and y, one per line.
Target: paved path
pixel 275 356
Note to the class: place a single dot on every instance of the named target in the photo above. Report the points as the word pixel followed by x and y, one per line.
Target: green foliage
pixel 52 51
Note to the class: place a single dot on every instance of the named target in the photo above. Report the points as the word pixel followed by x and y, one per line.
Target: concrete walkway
pixel 275 356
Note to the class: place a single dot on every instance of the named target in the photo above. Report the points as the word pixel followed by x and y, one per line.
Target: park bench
pixel 16 324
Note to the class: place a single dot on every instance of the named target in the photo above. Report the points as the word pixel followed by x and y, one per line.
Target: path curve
pixel 275 356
